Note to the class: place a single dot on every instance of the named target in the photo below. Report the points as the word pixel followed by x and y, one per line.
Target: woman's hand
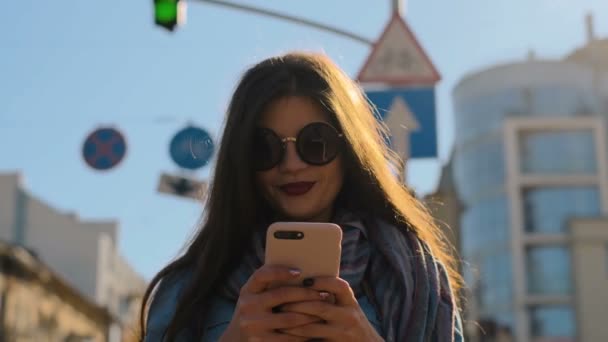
pixel 343 320
pixel 254 319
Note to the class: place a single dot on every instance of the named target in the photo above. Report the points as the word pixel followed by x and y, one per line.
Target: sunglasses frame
pixel 295 140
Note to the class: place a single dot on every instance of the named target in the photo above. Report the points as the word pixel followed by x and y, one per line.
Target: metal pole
pixel 397 6
pixel 292 19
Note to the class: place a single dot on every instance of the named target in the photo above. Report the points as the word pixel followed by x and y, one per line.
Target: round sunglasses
pixel 317 144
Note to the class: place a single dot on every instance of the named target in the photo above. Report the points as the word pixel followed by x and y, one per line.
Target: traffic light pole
pixel 169 13
pixel 293 19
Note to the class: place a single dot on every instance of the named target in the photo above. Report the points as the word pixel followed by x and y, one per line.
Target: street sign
pixel 401 122
pixel 409 114
pixel 191 148
pixel 104 148
pixel 181 186
pixel 399 80
pixel 398 59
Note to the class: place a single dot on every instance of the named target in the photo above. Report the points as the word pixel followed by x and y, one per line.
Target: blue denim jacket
pixel 221 310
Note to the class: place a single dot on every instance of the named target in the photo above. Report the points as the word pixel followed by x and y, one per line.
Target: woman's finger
pixel 277 337
pixel 316 330
pixel 267 274
pixel 326 311
pixel 275 321
pixel 287 294
pixel 338 287
pixel 281 337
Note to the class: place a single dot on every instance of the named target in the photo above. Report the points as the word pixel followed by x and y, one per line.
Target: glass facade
pixel 495 276
pixel 552 322
pixel 486 225
pixel 547 210
pixel 548 270
pixel 483 114
pixel 479 175
pixel 485 243
pixel 479 172
pixel 479 169
pixel 555 153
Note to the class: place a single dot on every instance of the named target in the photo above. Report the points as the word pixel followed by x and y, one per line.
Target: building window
pixel 548 270
pixel 558 153
pixel 552 322
pixel 547 210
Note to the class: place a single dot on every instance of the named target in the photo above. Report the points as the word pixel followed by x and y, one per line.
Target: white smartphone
pixel 313 248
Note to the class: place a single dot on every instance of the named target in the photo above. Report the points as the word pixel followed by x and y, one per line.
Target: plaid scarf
pixel 408 285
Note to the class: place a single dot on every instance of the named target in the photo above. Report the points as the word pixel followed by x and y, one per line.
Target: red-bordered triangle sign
pixel 398 59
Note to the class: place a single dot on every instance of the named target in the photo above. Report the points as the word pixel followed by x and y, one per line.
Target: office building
pixel 530 168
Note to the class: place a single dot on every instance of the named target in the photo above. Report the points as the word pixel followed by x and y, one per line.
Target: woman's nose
pixel 291 160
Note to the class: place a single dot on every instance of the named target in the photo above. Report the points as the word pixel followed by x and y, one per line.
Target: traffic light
pixel 169 13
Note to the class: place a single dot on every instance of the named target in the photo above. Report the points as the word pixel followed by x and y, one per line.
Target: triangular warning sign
pixel 398 59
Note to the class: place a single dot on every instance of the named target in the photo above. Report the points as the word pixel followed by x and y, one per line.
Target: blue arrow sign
pixel 421 103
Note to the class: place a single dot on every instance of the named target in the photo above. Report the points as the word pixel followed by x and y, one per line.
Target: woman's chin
pixel 302 215
pixel 299 217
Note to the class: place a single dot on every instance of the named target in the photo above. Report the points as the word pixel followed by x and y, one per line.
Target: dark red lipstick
pixel 297 188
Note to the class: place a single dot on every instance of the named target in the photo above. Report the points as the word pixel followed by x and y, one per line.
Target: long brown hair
pixel 234 207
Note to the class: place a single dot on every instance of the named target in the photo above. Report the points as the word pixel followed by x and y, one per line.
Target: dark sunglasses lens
pixel 318 143
pixel 267 149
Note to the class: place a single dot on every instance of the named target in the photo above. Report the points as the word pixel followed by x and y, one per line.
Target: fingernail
pixel 294 272
pixel 308 282
pixel 324 295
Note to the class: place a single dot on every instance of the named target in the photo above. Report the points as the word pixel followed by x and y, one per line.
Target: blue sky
pixel 67 67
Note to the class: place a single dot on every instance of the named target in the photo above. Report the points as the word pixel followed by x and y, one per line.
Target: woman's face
pixel 297 190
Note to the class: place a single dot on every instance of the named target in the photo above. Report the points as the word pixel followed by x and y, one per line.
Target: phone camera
pixel 288 235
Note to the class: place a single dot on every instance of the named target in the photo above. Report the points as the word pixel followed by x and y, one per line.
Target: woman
pixel 301 143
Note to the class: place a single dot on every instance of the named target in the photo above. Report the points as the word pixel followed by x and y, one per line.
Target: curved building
pixel 530 155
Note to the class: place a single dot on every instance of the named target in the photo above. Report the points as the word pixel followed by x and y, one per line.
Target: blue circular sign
pixel 104 148
pixel 191 148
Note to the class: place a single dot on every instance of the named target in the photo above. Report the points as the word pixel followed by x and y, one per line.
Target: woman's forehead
pixel 287 115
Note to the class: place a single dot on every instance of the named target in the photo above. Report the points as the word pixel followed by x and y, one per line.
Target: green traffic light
pixel 166 13
pixel 166 10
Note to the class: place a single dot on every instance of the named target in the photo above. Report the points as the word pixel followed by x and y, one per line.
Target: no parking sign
pixel 104 148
